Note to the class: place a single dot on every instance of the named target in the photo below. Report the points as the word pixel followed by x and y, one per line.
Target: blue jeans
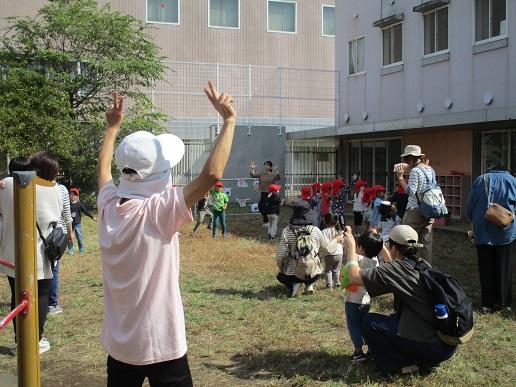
pixel 219 216
pixel 54 285
pixel 77 228
pixel 393 352
pixel 354 315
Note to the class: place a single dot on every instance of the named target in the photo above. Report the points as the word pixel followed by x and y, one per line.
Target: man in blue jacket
pixel 494 245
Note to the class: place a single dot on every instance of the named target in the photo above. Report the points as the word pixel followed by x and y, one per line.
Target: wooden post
pixel 27 328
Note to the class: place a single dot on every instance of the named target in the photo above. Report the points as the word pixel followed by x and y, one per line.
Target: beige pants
pixel 423 227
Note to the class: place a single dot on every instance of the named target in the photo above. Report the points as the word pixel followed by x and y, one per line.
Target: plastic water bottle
pixel 441 312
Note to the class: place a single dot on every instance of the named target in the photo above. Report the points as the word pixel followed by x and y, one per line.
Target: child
pixel 220 203
pixel 400 200
pixel 367 200
pixel 272 209
pixel 338 201
pixel 357 304
pixel 76 207
pixel 358 204
pixel 202 212
pixel 315 203
pixel 333 260
pixel 379 195
pixel 388 219
pixel 325 198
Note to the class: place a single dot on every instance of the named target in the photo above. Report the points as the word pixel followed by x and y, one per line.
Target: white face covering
pixel 133 187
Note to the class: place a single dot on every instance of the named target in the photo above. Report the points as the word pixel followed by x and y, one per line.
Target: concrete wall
pixel 464 75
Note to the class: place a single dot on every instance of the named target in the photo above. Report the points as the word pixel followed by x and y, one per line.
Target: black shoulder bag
pixel 55 243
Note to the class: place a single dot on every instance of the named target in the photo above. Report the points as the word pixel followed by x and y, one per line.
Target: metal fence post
pixel 27 328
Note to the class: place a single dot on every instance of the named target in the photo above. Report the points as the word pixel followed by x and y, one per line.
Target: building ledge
pixel 430 5
pixel 387 21
pixel 391 69
pixel 428 60
pixel 490 45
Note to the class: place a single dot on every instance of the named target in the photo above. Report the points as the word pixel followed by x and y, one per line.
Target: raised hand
pixel 115 115
pixel 252 165
pixel 348 242
pixel 223 103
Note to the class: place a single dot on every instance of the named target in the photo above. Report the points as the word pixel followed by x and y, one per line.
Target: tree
pixel 58 70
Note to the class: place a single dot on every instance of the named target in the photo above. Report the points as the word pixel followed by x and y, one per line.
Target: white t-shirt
pixel 358 204
pixel 331 233
pixel 49 206
pixel 361 296
pixel 143 311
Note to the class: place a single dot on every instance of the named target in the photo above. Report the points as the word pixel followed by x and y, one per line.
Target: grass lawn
pixel 243 330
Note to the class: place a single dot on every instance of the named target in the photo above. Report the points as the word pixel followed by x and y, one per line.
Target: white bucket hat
pixel 152 158
pixel 412 150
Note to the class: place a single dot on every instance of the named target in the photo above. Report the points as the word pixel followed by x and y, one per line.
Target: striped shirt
pixel 66 216
pixel 417 183
pixel 287 245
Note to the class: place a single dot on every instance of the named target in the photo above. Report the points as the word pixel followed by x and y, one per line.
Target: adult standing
pixel 49 206
pixel 419 178
pixel 144 328
pixel 494 244
pixel 408 340
pixel 265 179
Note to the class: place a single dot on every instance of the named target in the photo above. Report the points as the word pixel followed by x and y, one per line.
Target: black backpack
pixel 55 243
pixel 444 289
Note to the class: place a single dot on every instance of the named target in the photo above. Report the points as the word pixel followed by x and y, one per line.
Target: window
pixel 357 56
pixel 499 149
pixel 436 31
pixel 490 19
pixel 224 13
pixel 281 16
pixel 328 20
pixel 392 45
pixel 163 11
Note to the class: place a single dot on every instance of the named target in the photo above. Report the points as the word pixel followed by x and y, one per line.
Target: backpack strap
pixel 488 190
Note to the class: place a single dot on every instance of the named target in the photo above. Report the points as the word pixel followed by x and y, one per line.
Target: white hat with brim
pixel 412 150
pixel 151 158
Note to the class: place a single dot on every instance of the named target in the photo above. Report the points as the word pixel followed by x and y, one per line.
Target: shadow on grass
pixel 5 351
pixel 310 366
pixel 268 292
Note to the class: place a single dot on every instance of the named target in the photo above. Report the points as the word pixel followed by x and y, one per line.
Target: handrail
pixel 23 308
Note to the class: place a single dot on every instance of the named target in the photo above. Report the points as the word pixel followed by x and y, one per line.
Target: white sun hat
pixel 151 158
pixel 412 150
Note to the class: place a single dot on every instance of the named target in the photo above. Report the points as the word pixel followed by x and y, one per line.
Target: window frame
pixel 322 19
pixel 223 27
pixel 147 21
pixel 295 16
pixel 490 39
pixel 435 37
pixel 509 133
pixel 394 64
pixel 365 50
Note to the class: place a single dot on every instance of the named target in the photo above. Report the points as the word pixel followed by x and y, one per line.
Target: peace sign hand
pixel 115 115
pixel 252 164
pixel 223 103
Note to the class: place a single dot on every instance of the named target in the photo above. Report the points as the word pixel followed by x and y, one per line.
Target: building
pixel 275 56
pixel 437 73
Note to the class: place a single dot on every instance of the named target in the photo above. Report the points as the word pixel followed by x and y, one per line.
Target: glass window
pixel 281 16
pixel 392 45
pixel 380 162
pixel 356 50
pixel 328 20
pixel 436 31
pixel 354 158
pixel 490 19
pixel 224 13
pixel 367 161
pixel 495 150
pixel 163 11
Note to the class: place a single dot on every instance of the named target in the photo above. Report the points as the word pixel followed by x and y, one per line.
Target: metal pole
pixel 27 327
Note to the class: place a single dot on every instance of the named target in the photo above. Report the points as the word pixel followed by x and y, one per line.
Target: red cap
pixel 378 188
pixel 368 195
pixel 326 187
pixel 400 188
pixel 316 187
pixel 359 184
pixel 75 191
pixel 306 192
pixel 337 185
pixel 219 184
pixel 274 187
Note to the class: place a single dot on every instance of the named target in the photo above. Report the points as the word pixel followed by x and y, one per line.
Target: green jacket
pixel 220 200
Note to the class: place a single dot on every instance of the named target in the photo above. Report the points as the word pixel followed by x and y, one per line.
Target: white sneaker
pixel 265 225
pixel 309 289
pixel 44 345
pixel 53 310
pixel 295 289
